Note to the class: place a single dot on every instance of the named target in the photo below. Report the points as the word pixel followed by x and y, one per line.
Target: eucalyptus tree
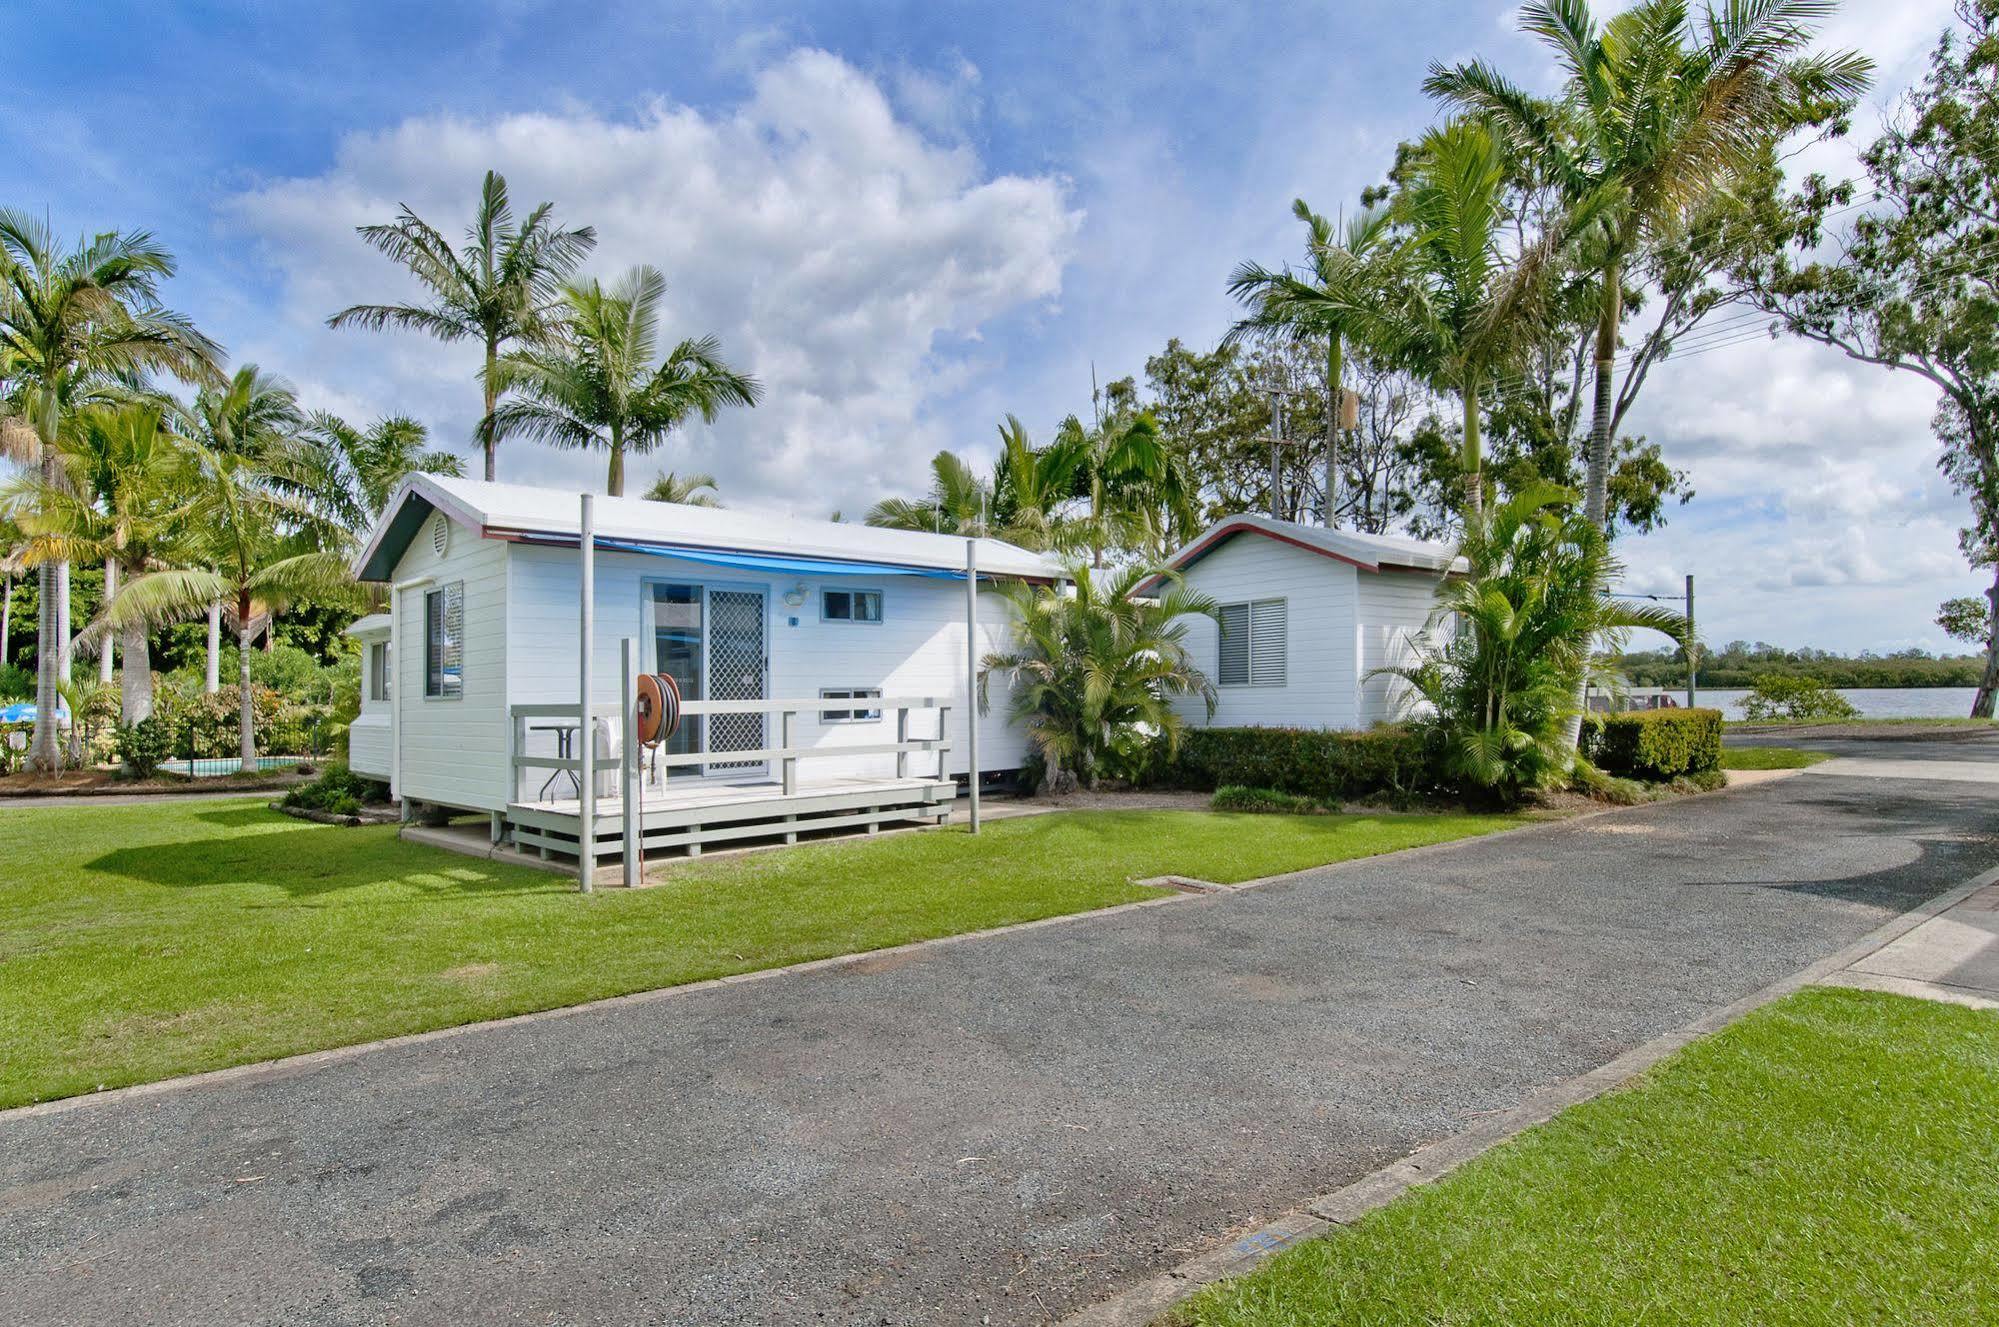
pixel 250 548
pixel 1659 113
pixel 80 325
pixel 122 496
pixel 602 384
pixel 501 288
pixel 1334 256
pixel 695 490
pixel 1912 285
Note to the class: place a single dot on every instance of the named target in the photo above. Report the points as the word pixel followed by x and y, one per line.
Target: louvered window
pixel 1255 640
pixel 444 642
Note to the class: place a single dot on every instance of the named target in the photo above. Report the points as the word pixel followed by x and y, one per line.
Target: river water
pixel 1872 702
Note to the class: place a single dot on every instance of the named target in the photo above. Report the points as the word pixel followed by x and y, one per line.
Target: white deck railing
pixel 787 752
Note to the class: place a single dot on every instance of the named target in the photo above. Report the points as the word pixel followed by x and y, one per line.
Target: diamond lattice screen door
pixel 737 666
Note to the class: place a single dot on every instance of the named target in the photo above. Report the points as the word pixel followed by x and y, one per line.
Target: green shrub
pixel 1235 797
pixel 1801 696
pixel 144 746
pixel 1654 745
pixel 16 683
pixel 338 790
pixel 1325 766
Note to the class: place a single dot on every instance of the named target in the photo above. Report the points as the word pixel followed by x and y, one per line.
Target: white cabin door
pixel 738 665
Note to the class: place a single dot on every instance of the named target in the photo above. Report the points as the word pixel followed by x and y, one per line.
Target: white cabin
pixel 791 640
pixel 1307 614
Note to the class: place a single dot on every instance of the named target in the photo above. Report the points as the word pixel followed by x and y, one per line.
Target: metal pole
pixel 1693 665
pixel 972 675
pixel 1276 456
pixel 586 734
pixel 628 767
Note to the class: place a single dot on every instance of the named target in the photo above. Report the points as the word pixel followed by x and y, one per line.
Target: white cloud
pixel 842 255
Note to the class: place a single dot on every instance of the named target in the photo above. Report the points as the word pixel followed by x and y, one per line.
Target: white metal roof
pixel 511 510
pixel 375 624
pixel 1369 552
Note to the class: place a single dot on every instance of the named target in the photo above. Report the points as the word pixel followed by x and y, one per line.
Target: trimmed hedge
pixel 1328 767
pixel 1654 744
pixel 1261 801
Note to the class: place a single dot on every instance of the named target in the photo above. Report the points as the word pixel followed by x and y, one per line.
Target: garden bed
pixel 107 783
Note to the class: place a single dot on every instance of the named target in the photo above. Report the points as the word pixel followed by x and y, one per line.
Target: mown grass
pixel 1832 1159
pixel 140 942
pixel 1770 757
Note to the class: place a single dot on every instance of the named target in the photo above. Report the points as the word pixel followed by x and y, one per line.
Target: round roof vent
pixel 440 535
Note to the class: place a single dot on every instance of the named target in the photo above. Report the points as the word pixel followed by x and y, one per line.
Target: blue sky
pixel 908 219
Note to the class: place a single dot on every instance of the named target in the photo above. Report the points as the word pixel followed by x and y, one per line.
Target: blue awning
pixel 777 562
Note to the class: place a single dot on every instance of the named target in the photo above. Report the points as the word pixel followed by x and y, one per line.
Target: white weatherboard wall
pixel 454 752
pixel 1320 689
pixel 918 649
pixel 1395 609
pixel 368 735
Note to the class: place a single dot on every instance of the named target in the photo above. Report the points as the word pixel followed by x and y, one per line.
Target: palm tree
pixel 345 475
pixel 1657 116
pixel 499 289
pixel 1512 639
pixel 254 415
pixel 123 496
pixel 1094 670
pixel 959 502
pixel 78 325
pixel 1337 258
pixel 251 551
pixel 599 386
pixel 696 490
pixel 1138 490
pixel 1031 486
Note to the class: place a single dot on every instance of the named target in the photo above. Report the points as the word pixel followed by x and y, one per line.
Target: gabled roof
pixel 523 513
pixel 375 624
pixel 1368 552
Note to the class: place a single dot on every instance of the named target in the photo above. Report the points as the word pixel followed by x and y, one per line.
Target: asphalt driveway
pixel 1003 1129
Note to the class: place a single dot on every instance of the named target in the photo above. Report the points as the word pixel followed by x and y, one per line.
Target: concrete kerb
pixel 1140 1304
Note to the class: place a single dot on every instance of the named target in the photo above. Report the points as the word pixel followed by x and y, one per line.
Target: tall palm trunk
pixel 65 646
pixel 614 483
pixel 492 406
pixel 6 615
pixel 105 664
pixel 1474 452
pixel 46 752
pixel 1336 400
pixel 1982 704
pixel 135 683
pixel 246 710
pixel 212 683
pixel 1610 314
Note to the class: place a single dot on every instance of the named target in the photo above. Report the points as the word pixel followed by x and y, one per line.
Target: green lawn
pixel 1832 1159
pixel 1770 757
pixel 139 942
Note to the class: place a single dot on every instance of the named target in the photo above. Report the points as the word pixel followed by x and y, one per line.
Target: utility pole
pixel 1277 392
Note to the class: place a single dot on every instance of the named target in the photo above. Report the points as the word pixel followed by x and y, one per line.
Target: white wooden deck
pixel 691 813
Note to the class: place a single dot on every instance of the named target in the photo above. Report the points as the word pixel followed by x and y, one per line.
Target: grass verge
pixel 141 942
pixel 1818 1162
pixel 1770 757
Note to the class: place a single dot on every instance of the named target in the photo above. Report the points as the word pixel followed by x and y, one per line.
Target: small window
pixel 444 642
pixel 849 693
pixel 850 605
pixel 381 679
pixel 1255 640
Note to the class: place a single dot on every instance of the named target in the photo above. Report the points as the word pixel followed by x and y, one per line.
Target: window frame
pixel 854 715
pixel 1250 613
pixel 443 595
pixel 853 593
pixel 381 673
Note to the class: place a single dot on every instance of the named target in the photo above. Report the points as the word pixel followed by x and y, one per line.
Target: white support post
pixel 628 767
pixel 902 741
pixel 788 762
pixel 972 677
pixel 586 733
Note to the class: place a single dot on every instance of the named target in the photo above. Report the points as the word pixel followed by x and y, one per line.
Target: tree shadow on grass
pixel 240 816
pixel 320 861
